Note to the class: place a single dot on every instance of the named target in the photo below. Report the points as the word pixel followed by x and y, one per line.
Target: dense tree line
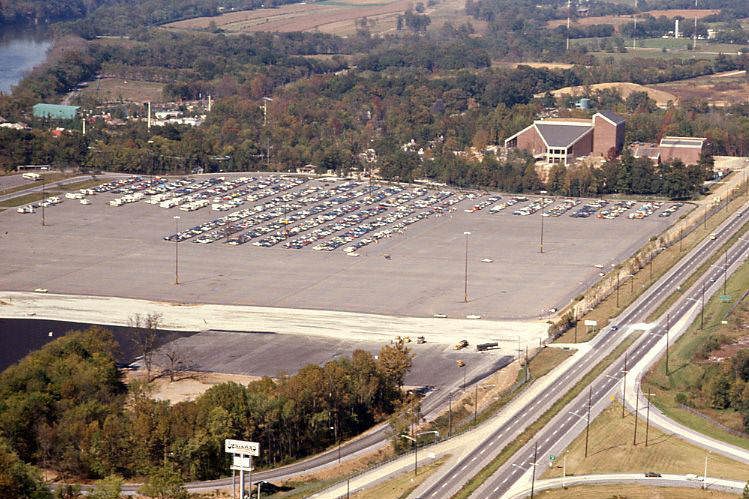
pixel 65 407
pixel 724 385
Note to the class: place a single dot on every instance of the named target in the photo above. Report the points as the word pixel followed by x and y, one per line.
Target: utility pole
pixel 668 326
pixel 587 422
pixel 576 323
pixel 651 269
pixel 647 421
pixel 617 288
pixel 476 402
pixel 725 272
pixel 526 364
pixel 535 458
pixel 624 381
pixel 637 413
pixel 681 239
pixel 450 414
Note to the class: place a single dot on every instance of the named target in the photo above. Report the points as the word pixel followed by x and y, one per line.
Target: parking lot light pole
pixel 465 280
pixel 541 246
pixel 44 201
pixel 176 249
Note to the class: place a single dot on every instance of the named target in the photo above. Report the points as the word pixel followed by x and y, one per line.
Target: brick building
pixel 687 149
pixel 562 140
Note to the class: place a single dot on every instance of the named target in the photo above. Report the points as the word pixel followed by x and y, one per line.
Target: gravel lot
pixel 119 251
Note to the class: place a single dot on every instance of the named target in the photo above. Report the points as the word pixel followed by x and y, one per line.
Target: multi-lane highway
pixel 451 478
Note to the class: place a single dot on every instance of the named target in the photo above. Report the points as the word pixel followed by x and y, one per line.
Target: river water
pixel 20 51
pixel 18 337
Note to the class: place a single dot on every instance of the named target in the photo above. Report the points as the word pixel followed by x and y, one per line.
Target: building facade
pixel 563 140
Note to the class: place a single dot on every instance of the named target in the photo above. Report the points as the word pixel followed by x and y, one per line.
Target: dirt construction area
pixel 721 89
pixel 332 245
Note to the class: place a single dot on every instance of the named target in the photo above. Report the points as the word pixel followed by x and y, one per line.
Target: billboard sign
pixel 242 447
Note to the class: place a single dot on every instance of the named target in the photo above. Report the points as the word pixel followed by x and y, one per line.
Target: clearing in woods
pixel 619 21
pixel 112 90
pixel 661 97
pixel 722 89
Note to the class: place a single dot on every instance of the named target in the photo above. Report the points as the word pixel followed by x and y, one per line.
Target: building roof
pixel 695 142
pixel 55 110
pixel 650 151
pixel 561 134
pixel 611 116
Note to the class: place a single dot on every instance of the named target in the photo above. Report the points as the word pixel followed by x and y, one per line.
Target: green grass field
pixel 611 450
pixel 633 492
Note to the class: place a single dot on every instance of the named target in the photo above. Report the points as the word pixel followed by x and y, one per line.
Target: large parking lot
pixel 320 243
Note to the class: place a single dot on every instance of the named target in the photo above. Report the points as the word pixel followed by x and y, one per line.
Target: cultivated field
pixel 618 21
pixel 661 97
pixel 721 89
pixel 334 17
pixel 414 270
pixel 113 90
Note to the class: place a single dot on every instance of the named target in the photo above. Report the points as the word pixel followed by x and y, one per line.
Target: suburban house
pixel 563 140
pixel 687 149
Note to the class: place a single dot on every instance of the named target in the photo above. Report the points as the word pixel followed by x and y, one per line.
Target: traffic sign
pixel 242 447
pixel 725 298
pixel 552 458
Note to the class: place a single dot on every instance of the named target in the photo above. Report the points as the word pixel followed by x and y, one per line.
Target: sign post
pixel 242 453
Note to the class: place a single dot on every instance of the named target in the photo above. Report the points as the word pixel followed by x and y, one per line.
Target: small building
pixel 55 111
pixel 687 149
pixel 562 140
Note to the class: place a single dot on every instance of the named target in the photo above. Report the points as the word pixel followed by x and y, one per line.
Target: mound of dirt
pixel 625 88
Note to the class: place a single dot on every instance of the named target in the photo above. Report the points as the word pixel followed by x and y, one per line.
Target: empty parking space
pixel 287 241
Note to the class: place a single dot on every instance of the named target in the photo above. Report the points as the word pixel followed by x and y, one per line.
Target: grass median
pixel 715 258
pixel 611 449
pixel 528 434
pixel 623 491
pixel 696 352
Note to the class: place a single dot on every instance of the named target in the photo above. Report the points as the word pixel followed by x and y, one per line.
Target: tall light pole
pixel 533 475
pixel 541 246
pixel 704 476
pixel 44 201
pixel 265 126
pixel 465 280
pixel 176 249
pixel 587 421
pixel 702 308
